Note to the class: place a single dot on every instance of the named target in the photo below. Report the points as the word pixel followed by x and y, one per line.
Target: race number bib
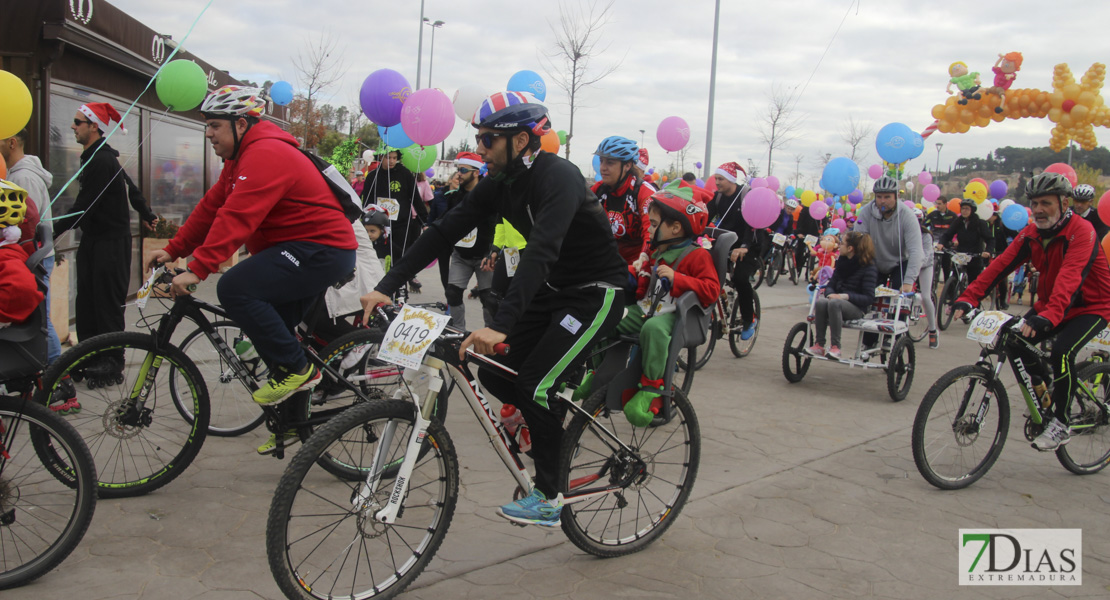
pixel 1100 341
pixel 410 336
pixel 779 239
pixel 391 206
pixel 470 239
pixel 811 240
pixel 143 294
pixel 512 260
pixel 986 326
pixel 884 292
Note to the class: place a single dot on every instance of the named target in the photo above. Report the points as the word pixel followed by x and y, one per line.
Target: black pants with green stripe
pixel 1067 340
pixel 549 340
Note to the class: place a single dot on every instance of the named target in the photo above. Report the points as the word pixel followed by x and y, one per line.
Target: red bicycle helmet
pixel 678 204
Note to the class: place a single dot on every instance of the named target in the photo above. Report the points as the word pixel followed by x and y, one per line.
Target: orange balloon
pixel 550 142
pixel 664 179
pixel 954 205
pixel 3 170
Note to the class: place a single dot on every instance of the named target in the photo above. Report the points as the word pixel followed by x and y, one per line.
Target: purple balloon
pixel 773 183
pixel 875 171
pixel 855 197
pixel 759 182
pixel 818 210
pixel 998 189
pixel 382 96
pixel 428 116
pixel 673 134
pixel 697 165
pixel 700 182
pixel 430 172
pixel 760 208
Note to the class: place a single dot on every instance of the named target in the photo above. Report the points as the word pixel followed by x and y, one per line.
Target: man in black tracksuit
pixel 938 222
pixel 724 213
pixel 469 253
pixel 973 237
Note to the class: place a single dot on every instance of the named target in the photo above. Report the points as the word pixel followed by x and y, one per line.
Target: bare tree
pixel 318 68
pixel 854 135
pixel 777 126
pixel 576 39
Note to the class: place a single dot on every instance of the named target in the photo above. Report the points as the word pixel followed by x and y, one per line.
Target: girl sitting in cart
pixel 848 294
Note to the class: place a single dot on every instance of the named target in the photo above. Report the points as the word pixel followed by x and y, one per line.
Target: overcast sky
pixel 887 63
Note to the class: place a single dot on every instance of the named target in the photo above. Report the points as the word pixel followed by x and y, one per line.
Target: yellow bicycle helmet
pixel 13 204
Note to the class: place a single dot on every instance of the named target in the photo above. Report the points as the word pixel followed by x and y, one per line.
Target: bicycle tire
pixel 172 441
pixel 795 361
pixel 918 321
pixel 233 411
pixel 306 533
pixel 1088 451
pixel 952 429
pixel 947 299
pixel 757 277
pixel 792 266
pixel 602 526
pixel 900 368
pixel 740 347
pixel 33 498
pixel 775 269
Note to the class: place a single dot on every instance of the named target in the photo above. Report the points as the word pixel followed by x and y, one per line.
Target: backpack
pixel 344 193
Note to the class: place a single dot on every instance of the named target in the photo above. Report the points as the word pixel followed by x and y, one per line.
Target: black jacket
pixel 482 245
pixel 1101 229
pixel 856 280
pixel 974 235
pixel 724 212
pixel 940 220
pixel 399 184
pixel 106 190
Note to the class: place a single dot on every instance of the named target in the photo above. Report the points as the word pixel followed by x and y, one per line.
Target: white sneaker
pixel 1055 434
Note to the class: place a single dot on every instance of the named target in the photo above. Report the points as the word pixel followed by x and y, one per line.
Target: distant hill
pixel 1016 165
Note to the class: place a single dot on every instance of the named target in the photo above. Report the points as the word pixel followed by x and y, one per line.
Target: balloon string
pixel 136 101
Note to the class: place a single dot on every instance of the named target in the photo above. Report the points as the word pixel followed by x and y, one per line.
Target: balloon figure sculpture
pixel 967 83
pixel 1005 71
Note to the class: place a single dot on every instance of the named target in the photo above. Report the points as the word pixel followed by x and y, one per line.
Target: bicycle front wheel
pixel 739 346
pixel 1089 449
pixel 918 320
pixel 233 410
pixel 948 297
pixel 321 546
pixel 136 449
pixel 44 512
pixel 655 475
pixel 959 431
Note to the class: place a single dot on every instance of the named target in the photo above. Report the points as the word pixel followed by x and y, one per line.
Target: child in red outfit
pixel 19 293
pixel 676 220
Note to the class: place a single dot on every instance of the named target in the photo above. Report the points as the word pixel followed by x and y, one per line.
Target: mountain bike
pixel 953 287
pixel 964 419
pixel 622 486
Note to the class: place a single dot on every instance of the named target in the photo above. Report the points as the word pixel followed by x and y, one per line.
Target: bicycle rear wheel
pixel 775 269
pixel 656 475
pixel 135 451
pixel 952 446
pixel 321 546
pixel 757 276
pixel 44 512
pixel 1089 449
pixel 741 347
pixel 233 410
pixel 948 296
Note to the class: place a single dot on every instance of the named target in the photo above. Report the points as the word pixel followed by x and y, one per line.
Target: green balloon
pixel 418 158
pixel 562 137
pixel 181 85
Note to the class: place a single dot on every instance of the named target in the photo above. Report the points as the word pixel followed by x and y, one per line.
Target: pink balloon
pixel 428 116
pixel 773 183
pixel 930 192
pixel 818 210
pixel 759 182
pixel 672 134
pixel 840 224
pixel 925 178
pixel 875 171
pixel 760 208
pixel 908 204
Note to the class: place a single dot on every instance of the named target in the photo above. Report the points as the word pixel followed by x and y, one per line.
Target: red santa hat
pixel 642 161
pixel 732 172
pixel 469 159
pixel 103 115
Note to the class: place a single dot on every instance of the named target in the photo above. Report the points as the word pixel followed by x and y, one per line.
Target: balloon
pixel 665 179
pixel 395 137
pixel 368 156
pixel 382 96
pixel 597 164
pixel 427 116
pixel 874 171
pixel 897 143
pixel 700 182
pixel 673 134
pixel 1104 207
pixel 954 205
pixel 839 224
pixel 467 99
pixel 840 176
pixel 417 158
pixel 984 210
pixel 818 210
pixel 760 208
pixel 855 197
pixel 772 181
pixel 975 191
pixel 562 137
pixel 789 191
pixel 997 189
pixel 550 142
pixel 181 85
pixel 431 172
pixel 1005 204
pixel 924 178
pixel 829 201
pixel 759 182
pixel 980 180
pixel 808 197
pixel 528 81
pixel 3 170
pixel 908 204
pixel 930 192
pixel 281 92
pixel 711 184
pixel 697 165
pixel 909 185
pixel 1063 169
pixel 1014 217
pixel 797 213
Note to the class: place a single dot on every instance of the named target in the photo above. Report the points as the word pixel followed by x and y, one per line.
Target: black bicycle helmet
pixel 376 217
pixel 885 185
pixel 1083 193
pixel 1047 184
pixel 968 202
pixel 619 148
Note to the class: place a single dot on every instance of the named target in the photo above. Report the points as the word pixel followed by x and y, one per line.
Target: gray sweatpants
pixel 831 314
pixel 458 277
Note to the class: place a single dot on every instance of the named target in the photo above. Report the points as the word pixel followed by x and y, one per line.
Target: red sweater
pixel 19 294
pixel 627 207
pixel 270 194
pixel 695 273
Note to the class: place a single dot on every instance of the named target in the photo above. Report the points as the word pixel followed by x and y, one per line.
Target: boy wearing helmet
pixel 20 295
pixel 623 196
pixel 676 219
pixel 1073 292
pixel 1083 195
pixel 973 236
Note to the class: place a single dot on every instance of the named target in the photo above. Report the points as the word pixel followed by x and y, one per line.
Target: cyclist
pixel 925 280
pixel 972 235
pixel 623 196
pixel 565 294
pixel 937 222
pixel 1074 290
pixel 272 198
pixel 724 212
pixel 1083 195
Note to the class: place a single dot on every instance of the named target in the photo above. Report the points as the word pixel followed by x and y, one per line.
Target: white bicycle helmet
pixel 791 204
pixel 234 101
pixel 1083 192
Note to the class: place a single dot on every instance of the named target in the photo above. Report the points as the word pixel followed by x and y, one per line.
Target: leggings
pixel 1069 338
pixel 925 284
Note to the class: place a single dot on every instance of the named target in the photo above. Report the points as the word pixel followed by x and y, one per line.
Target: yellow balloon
pixel 808 197
pixel 15 105
pixel 976 191
pixel 918 205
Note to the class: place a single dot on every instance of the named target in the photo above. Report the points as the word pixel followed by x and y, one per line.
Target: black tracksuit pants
pixel 103 272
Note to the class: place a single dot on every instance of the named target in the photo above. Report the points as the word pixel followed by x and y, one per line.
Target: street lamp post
pixel 420 45
pixel 642 138
pixel 712 90
pixel 939 146
pixel 432 52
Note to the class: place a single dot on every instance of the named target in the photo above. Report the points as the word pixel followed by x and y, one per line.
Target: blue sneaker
pixel 749 331
pixel 534 509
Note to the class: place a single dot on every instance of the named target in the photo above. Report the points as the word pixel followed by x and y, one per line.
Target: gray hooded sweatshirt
pixel 896 239
pixel 29 175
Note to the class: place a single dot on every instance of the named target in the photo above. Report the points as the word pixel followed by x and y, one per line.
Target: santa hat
pixel 642 162
pixel 103 115
pixel 470 159
pixel 732 172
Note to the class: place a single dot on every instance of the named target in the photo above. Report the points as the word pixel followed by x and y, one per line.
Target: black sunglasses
pixel 486 139
pixel 79 122
pixel 465 170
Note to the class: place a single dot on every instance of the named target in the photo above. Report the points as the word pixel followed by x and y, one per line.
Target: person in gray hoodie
pixel 896 234
pixel 26 171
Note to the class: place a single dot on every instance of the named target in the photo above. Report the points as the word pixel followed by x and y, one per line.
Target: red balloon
pixel 1104 207
pixel 1065 170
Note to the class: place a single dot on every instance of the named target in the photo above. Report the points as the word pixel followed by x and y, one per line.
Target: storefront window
pixel 177 168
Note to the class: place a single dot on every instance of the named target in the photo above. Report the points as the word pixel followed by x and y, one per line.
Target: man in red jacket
pixel 273 199
pixel 1073 291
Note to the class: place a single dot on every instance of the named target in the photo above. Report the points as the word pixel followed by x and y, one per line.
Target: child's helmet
pixel 673 205
pixel 13 204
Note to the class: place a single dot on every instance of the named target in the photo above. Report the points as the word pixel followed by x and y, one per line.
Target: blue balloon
pixel 897 143
pixel 1015 217
pixel 840 177
pixel 395 136
pixel 597 164
pixel 530 82
pixel 281 93
pixel 789 191
pixel 838 206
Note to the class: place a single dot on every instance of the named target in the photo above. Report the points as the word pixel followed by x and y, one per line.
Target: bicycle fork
pixel 134 413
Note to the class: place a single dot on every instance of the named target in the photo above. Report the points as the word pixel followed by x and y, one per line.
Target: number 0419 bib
pixel 410 336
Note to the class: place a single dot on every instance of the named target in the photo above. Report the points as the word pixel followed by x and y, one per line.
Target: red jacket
pixel 1074 277
pixel 19 294
pixel 270 194
pixel 627 207
pixel 695 273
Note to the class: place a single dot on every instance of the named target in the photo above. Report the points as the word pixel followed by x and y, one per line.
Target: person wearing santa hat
pixel 469 252
pixel 724 213
pixel 640 167
pixel 100 210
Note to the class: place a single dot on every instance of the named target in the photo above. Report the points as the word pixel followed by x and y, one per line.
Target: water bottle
pixel 1041 389
pixel 513 421
pixel 245 349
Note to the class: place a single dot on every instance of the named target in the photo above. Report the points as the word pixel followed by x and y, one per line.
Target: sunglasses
pixel 465 170
pixel 79 122
pixel 486 139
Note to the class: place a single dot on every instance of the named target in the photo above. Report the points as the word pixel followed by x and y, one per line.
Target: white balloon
pixel 1005 202
pixel 368 156
pixel 909 185
pixel 984 210
pixel 466 100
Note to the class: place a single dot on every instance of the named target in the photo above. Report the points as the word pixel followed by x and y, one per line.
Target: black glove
pixel 1039 324
pixel 964 306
